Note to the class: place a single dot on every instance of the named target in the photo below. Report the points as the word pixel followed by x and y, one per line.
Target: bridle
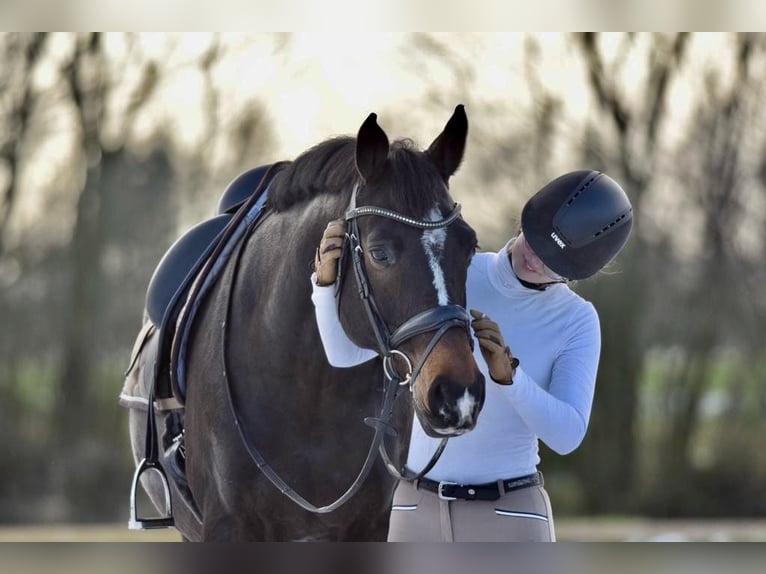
pixel 438 319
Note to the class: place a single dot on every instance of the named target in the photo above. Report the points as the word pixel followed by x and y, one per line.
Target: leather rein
pixel 438 319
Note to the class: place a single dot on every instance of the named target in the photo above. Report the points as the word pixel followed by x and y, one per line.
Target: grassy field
pixel 616 529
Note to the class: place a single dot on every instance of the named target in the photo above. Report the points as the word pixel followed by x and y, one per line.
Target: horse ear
pixel 371 149
pixel 446 151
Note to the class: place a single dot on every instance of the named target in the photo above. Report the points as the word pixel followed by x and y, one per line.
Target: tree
pixel 625 138
pixel 718 164
pixel 90 87
pixel 20 54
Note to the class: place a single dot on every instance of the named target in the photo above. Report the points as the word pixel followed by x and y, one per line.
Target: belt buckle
pixel 440 493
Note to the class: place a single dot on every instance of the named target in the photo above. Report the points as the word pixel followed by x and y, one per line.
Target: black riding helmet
pixel 578 223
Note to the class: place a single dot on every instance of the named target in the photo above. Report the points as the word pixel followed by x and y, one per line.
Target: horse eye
pixel 378 255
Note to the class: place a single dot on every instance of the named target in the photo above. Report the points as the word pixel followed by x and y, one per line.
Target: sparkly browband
pixel 382 212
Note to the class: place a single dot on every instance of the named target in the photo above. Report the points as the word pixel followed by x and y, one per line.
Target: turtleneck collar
pixel 507 276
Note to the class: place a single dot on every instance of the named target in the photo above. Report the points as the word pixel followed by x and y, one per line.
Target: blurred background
pixel 112 145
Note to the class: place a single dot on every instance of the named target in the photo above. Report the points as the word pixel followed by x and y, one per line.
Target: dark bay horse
pixel 254 347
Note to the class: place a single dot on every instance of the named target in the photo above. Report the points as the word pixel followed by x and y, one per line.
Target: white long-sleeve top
pixel 555 335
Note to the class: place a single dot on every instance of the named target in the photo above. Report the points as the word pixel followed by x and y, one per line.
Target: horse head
pixel 410 253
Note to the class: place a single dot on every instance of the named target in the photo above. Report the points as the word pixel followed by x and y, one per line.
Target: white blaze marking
pixel 465 406
pixel 433 241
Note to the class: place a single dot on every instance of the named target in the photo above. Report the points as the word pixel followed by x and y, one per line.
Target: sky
pixel 391 15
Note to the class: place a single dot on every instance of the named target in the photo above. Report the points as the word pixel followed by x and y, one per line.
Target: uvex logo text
pixel 558 240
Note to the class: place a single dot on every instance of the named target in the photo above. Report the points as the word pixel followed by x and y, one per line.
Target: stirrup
pixel 136 523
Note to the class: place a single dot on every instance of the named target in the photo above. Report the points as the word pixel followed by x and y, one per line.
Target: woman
pixel 539 342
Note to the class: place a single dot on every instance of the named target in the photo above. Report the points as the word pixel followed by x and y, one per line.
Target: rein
pixel 438 319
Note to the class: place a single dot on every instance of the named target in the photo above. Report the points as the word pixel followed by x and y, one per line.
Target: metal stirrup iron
pixel 138 523
pixel 150 462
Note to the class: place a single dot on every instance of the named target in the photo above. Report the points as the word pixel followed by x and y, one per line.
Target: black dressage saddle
pixel 182 260
pixel 171 283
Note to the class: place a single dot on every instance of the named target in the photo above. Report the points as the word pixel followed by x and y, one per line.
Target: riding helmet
pixel 578 223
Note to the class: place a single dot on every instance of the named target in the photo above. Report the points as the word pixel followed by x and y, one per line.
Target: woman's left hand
pixel 502 364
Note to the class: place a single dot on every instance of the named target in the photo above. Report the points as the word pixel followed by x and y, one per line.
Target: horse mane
pixel 329 168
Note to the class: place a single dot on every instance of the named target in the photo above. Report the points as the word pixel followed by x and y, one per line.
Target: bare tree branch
pixel 28 50
pixel 664 61
pixel 605 90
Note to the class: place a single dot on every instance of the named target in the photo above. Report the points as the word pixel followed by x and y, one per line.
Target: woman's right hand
pixel 328 253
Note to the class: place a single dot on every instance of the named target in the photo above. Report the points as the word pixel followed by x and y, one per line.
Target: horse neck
pixel 285 245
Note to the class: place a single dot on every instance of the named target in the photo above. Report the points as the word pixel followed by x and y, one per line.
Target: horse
pixel 268 424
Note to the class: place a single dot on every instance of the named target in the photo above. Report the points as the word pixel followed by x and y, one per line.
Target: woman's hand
pixel 502 364
pixel 328 253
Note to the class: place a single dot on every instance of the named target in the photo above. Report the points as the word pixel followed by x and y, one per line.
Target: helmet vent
pixel 582 188
pixel 615 222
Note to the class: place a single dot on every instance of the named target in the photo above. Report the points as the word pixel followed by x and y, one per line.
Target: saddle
pixel 169 289
pixel 178 284
pixel 177 267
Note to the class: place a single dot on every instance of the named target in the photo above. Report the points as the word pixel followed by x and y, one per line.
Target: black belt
pixel 489 491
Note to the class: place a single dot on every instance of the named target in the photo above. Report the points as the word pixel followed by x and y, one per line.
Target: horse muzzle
pixel 452 408
pixel 447 387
